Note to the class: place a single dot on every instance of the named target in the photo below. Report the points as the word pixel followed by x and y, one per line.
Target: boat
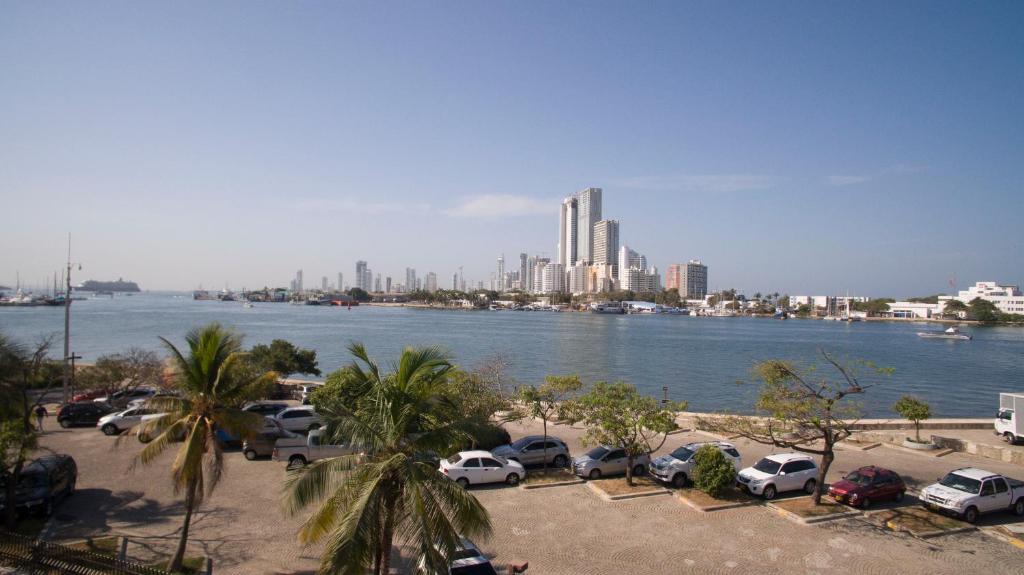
pixel 247 305
pixel 951 333
pixel 608 307
pixel 201 294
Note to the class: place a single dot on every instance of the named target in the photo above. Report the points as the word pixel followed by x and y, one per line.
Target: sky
pixel 871 148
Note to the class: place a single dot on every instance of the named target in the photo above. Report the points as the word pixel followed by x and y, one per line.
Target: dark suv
pixel 84 413
pixel 44 483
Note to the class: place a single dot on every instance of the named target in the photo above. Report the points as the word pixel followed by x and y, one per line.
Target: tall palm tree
pixel 393 490
pixel 213 379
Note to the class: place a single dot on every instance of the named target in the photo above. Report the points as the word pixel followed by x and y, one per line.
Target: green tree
pixel 982 310
pixel 395 489
pixel 801 410
pixel 545 400
pixel 214 379
pixel 954 308
pixel 783 302
pixel 804 310
pixel 617 415
pixel 121 372
pixel 713 473
pixel 359 294
pixel 284 358
pixel 914 409
pixel 669 297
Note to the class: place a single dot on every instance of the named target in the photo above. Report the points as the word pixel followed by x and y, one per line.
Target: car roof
pixel 787 457
pixel 476 453
pixel 975 473
pixel 537 438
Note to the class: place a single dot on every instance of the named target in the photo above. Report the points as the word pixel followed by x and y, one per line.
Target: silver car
pixel 607 460
pixel 531 450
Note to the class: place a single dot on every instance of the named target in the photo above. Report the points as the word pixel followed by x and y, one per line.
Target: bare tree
pixel 122 372
pixel 800 410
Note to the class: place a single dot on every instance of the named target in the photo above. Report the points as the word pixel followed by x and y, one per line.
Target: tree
pixel 214 379
pixel 982 310
pixel 284 358
pixel 932 299
pixel 394 489
pixel 122 372
pixel 914 409
pixel 21 370
pixel 616 414
pixel 954 308
pixel 669 297
pixel 801 411
pixel 713 473
pixel 546 399
pixel 873 307
pixel 804 310
pixel 783 302
pixel 359 294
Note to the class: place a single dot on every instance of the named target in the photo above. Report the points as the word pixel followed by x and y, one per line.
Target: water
pixel 700 360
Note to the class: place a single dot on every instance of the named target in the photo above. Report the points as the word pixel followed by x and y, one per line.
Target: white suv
pixel 677 467
pixel 299 419
pixel 777 473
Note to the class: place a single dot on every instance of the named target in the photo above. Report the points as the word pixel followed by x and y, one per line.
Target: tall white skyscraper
pixel 364 277
pixel 323 283
pixel 500 284
pixel 341 283
pixel 606 242
pixel 524 263
pixel 377 284
pixel 298 281
pixel 553 278
pixel 567 232
pixel 588 212
pixel 431 282
pixel 455 282
pixel 538 274
pixel 410 279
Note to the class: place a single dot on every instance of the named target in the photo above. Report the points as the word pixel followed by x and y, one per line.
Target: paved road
pixel 558 530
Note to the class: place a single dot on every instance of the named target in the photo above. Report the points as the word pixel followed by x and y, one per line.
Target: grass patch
pixel 805 507
pixel 917 520
pixel 191 566
pixel 552 475
pixel 618 486
pixel 108 546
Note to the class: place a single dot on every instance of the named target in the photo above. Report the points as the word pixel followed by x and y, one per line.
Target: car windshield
pixel 597 452
pixel 859 478
pixel 455 459
pixel 682 454
pixel 961 483
pixel 768 466
pixel 521 443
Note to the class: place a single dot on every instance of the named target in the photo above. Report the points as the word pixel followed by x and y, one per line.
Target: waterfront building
pixel 455 282
pixel 588 213
pixel 298 281
pixel 567 232
pixel 631 259
pixel 577 279
pixel 538 274
pixel 606 242
pixel 363 276
pixel 410 279
pixel 387 285
pixel 602 278
pixel 690 279
pixel 524 263
pixel 431 282
pixel 377 284
pixel 553 278
pixel 500 283
pixel 1007 298
pixel 341 283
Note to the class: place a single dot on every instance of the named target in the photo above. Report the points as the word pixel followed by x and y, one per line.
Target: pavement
pixel 557 530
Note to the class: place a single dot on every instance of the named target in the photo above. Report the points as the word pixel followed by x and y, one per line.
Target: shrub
pixel 914 409
pixel 713 473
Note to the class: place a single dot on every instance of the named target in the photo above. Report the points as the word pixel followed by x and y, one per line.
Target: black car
pixel 44 483
pixel 84 413
pixel 266 409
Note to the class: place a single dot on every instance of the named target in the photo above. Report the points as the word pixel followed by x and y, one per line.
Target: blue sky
pixel 874 148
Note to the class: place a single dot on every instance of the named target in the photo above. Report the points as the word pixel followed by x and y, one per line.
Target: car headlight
pixel 756 481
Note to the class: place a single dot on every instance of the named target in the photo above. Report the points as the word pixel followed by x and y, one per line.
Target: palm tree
pixel 393 490
pixel 214 380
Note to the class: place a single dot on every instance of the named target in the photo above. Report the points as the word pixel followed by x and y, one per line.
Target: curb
pixel 856 447
pixel 527 486
pixel 926 453
pixel 929 534
pixel 720 507
pixel 796 518
pixel 993 532
pixel 604 495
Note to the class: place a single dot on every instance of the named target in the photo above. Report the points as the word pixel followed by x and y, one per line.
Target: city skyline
pixel 783 146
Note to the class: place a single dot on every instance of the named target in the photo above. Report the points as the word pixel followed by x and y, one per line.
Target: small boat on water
pixel 247 305
pixel 951 333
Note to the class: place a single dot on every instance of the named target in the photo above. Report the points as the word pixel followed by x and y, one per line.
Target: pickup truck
pixel 969 492
pixel 298 450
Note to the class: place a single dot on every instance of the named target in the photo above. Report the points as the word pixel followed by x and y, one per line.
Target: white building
pixel 606 242
pixel 577 278
pixel 1007 298
pixel 538 274
pixel 431 283
pixel 553 278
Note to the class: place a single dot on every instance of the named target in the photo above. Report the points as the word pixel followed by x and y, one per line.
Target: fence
pixel 40 557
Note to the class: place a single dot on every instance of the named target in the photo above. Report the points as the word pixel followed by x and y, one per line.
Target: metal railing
pixel 34 556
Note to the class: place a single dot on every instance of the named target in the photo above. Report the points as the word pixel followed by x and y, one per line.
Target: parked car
pixel 677 467
pixel 114 423
pixel 606 460
pixel 144 432
pixel 300 419
pixel 141 401
pixel 777 473
pixel 120 399
pixel 476 467
pixel 969 492
pixel 87 395
pixel 298 450
pixel 262 444
pixel 531 450
pixel 467 560
pixel 84 413
pixel 266 408
pixel 1010 419
pixel 862 486
pixel 44 483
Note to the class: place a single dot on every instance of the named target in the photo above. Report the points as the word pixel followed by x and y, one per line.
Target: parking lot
pixel 565 529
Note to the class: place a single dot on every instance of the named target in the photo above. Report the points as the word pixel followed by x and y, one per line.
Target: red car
pixel 88 396
pixel 862 486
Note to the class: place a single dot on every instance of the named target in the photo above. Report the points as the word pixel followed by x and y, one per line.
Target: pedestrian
pixel 40 412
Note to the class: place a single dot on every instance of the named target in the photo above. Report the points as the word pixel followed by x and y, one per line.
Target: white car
pixel 777 473
pixel 115 423
pixel 299 419
pixel 677 467
pixel 123 397
pixel 476 467
pixel 970 492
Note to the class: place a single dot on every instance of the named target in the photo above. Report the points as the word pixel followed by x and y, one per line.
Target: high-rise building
pixel 341 283
pixel 410 279
pixel 387 286
pixel 298 281
pixel 588 212
pixel 377 284
pixel 602 278
pixel 362 276
pixel 431 283
pixel 631 259
pixel 567 232
pixel 524 263
pixel 538 274
pixel 553 278
pixel 606 242
pixel 455 282
pixel 694 284
pixel 577 278
pixel 500 284
pixel 323 283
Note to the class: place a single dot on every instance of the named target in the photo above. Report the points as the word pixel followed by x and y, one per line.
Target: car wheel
pixel 769 492
pixel 638 470
pixel 462 481
pixel 1018 507
pixel 594 474
pixel 809 486
pixel 898 497
pixel 109 429
pixel 296 461
pixel 1009 438
pixel 250 455
pixel 512 479
pixel 65 423
pixel 679 480
pixel 865 503
pixel 971 514
pixel 560 461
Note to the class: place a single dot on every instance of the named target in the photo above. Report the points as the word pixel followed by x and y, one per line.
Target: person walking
pixel 40 412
